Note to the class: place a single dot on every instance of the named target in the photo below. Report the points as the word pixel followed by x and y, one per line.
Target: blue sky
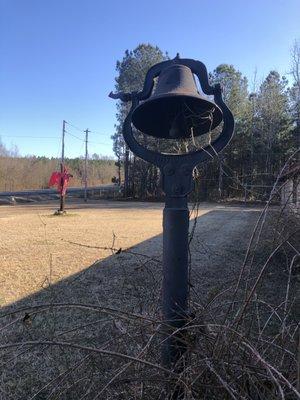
pixel 58 57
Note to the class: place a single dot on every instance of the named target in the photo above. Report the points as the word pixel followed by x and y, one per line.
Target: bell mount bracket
pixel 177 169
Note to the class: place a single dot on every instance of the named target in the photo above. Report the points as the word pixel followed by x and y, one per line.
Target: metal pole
pixel 62 197
pixel 177 182
pixel 126 172
pixel 85 164
pixel 175 286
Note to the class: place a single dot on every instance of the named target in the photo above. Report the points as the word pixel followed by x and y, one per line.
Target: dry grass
pixel 97 333
pixel 34 246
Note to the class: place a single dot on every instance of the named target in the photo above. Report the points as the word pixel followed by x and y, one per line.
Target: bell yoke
pixel 176 110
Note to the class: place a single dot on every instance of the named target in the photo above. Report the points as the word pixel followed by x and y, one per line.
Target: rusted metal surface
pixel 194 158
pixel 155 116
pixel 176 109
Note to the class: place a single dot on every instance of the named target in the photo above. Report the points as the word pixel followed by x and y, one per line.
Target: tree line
pixel 267 130
pixel 267 133
pixel 31 172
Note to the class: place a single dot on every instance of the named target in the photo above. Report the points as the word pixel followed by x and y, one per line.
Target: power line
pixel 71 134
pixel 54 137
pixel 67 132
pixel 75 127
pixel 90 131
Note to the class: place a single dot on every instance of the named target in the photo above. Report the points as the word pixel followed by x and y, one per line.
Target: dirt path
pixel 219 246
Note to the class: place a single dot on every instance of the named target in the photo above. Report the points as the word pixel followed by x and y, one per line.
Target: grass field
pixel 36 248
pixel 81 294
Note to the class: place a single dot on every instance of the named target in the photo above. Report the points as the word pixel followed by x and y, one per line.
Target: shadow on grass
pixel 113 305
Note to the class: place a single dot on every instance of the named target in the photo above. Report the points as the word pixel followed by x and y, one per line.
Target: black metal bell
pixel 176 110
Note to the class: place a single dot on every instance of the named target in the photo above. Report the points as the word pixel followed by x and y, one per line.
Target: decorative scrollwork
pixel 192 159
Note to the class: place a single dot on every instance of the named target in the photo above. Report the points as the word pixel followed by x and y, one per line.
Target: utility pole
pixel 85 164
pixel 62 167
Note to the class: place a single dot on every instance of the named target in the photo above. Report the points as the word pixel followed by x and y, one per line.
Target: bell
pixel 176 110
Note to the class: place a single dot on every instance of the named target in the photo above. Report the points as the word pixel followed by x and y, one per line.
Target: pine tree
pixel 274 136
pixel 131 75
pixel 235 94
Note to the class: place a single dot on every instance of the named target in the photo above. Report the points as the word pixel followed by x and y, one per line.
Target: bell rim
pixel 172 95
pixel 159 96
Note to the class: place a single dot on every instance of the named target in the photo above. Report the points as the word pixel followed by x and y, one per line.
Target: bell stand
pixel 177 182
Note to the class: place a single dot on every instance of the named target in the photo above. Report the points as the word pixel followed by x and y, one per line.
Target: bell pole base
pixel 175 287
